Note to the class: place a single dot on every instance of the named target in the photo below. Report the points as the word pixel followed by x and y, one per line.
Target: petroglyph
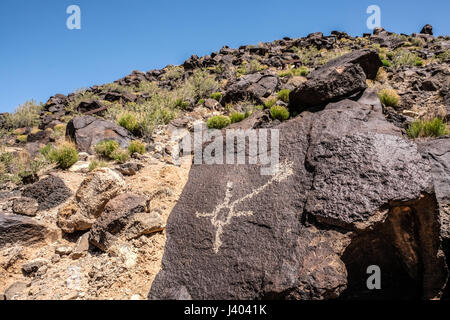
pixel 226 211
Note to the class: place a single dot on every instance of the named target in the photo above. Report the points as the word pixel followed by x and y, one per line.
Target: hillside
pixel 92 195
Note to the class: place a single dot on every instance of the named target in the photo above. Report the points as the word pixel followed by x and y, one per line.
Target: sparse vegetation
pixel 389 97
pixel 279 113
pixel 120 155
pixel 270 103
pixel 250 67
pixel 386 63
pixel 26 115
pixel 444 56
pixel 216 96
pixel 405 58
pixel 65 155
pixel 302 71
pixel 106 148
pixel 218 122
pixel 283 95
pixel 431 128
pixel 136 146
pixel 129 122
pixel 94 164
pixel 237 117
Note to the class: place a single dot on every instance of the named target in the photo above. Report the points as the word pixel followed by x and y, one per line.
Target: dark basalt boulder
pixel 350 192
pixel 49 192
pixel 427 29
pixel 15 229
pixel 88 131
pixel 338 79
pixel 252 86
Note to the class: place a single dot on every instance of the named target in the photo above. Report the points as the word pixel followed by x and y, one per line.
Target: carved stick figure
pixel 225 211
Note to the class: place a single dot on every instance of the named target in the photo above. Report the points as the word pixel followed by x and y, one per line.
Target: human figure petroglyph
pixel 219 219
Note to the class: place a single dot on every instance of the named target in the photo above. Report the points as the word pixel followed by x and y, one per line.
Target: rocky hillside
pixel 93 205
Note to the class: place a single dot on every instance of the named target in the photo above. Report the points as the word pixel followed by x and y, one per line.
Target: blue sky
pixel 40 57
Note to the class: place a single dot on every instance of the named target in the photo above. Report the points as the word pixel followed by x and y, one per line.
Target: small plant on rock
pixel 279 113
pixel 237 117
pixel 216 96
pixel 136 146
pixel 389 97
pixel 129 122
pixel 218 122
pixel 283 95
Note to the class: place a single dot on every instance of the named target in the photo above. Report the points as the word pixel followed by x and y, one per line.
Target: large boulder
pixel 338 79
pixel 90 200
pixel 22 230
pixel 252 86
pixel 427 29
pixel 88 131
pixel 126 217
pixel 350 192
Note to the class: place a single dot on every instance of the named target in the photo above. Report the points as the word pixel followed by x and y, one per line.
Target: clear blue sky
pixel 40 57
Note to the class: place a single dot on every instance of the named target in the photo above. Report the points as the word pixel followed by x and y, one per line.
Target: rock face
pixel 438 153
pixel 126 217
pixel 20 230
pixel 351 192
pixel 87 131
pixel 253 86
pixel 91 198
pixel 340 78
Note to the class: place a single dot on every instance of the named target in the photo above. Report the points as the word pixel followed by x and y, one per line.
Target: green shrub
pixel 181 104
pixel 431 128
pixel 26 115
pixel 136 146
pixel 237 117
pixel 45 151
pixel 106 148
pixel 405 58
pixel 279 113
pixel 216 96
pixel 120 156
pixel 218 122
pixel 201 85
pixel 283 95
pixel 129 122
pixel 201 101
pixel 444 56
pixel 22 138
pixel 65 155
pixel 386 63
pixel 389 97
pixel 94 164
pixel 302 71
pixel 251 67
pixel 270 103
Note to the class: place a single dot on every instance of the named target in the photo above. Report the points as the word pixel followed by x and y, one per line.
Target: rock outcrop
pixel 350 192
pixel 125 217
pixel 90 200
pixel 88 131
pixel 338 79
pixel 16 229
